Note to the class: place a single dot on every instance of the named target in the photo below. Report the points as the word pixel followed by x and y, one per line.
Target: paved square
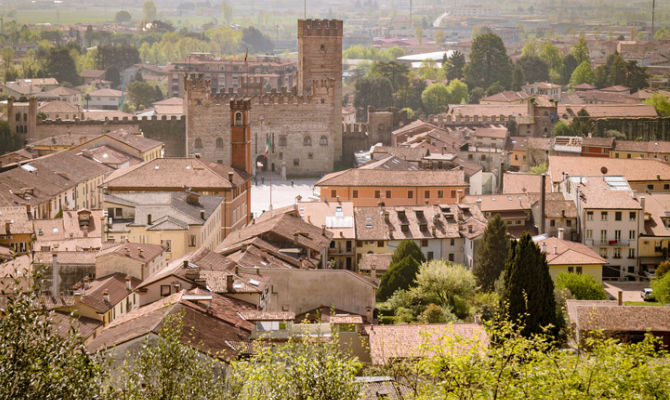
pixel 284 192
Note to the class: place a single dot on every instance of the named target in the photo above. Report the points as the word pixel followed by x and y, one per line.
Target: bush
pixel 661 287
pixel 582 286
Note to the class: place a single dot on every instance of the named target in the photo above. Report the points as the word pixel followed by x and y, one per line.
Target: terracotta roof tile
pixel 565 252
pixel 372 177
pixel 634 169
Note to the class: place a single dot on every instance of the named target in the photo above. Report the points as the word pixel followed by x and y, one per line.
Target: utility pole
pixel 411 20
pixel 653 9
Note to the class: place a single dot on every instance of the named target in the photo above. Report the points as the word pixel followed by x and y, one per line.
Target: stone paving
pixel 284 192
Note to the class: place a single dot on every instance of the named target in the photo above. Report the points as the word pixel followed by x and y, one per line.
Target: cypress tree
pixel 492 253
pixel 529 290
pixel 405 263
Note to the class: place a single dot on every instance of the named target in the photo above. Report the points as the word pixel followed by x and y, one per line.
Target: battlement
pixel 319 27
pixel 355 128
pixel 240 104
pixel 110 121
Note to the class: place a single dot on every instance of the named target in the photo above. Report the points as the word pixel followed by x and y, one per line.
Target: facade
pixel 104 99
pixel 551 90
pixel 654 238
pixel 300 143
pixel 106 298
pixel 16 232
pixel 514 208
pixel 137 260
pixel 60 110
pixel 338 218
pixel 634 149
pixel 567 256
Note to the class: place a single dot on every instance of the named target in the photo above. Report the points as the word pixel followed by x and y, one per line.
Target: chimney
pixel 8 225
pixel 368 314
pixel 544 247
pixel 620 297
pixel 230 279
pixel 230 176
pixel 202 215
pixel 643 202
pixel 55 275
pixel 128 284
pixel 387 217
pixel 177 286
pixel 561 233
pixel 555 249
pixel 105 296
pixel 140 251
pixel 459 195
pixel 127 250
pixel 86 283
pixel 543 181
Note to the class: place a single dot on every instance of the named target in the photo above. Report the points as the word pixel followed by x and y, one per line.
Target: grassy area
pixel 643 303
pixel 65 15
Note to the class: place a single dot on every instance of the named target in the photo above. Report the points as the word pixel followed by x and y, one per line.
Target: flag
pixel 268 146
pixel 246 55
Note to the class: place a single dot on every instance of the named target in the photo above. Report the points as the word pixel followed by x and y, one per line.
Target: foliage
pixel 476 94
pixel 60 65
pixel 9 141
pixel 439 285
pixel 552 56
pixel 298 369
pixel 662 269
pixel 227 11
pixel 149 10
pixel 122 16
pixel 582 124
pixel 539 169
pixel 582 286
pixel 489 62
pixel 581 51
pixel 535 69
pixel 396 73
pixel 533 367
pixel 495 88
pixel 359 52
pixel 256 40
pixel 529 290
pixel 167 369
pixel 437 96
pixel 453 68
pixel 410 96
pixel 613 133
pixel 141 94
pixel 582 74
pixel 661 288
pixel 618 71
pixel 376 92
pixel 438 37
pixel 428 70
pixel 38 363
pixel 418 33
pixel 569 65
pixel 121 57
pixel 660 103
pixel 492 253
pixel 405 263
pixel 562 129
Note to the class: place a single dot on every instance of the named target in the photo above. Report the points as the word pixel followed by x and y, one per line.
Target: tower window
pixel 238 118
pixel 198 143
pixel 323 141
pixel 307 141
pixel 219 143
pixel 296 162
pixel 282 140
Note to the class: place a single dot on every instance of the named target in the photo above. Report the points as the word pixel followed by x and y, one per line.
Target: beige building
pixel 106 298
pixel 654 239
pixel 338 218
pixel 137 260
pixel 180 222
pixel 571 257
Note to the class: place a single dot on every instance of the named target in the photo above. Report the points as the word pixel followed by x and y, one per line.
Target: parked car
pixel 647 294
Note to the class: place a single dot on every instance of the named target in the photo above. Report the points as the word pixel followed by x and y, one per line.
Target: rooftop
pixel 565 252
pixel 388 178
pixel 634 169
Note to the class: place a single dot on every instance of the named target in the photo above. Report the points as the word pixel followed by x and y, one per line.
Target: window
pixel 165 290
pixel 469 156
pixel 296 162
pixel 118 212
pixel 552 222
pixel 440 194
pixel 603 215
pixel 354 194
pixel 424 243
pixel 388 194
pixel 589 234
pixel 191 240
pixel 631 216
pixel 426 194
pixel 631 253
pixel 282 140
pixel 483 157
pixel 451 257
pixel 430 256
pixel 198 143
pixel 631 234
pixel 579 270
pixel 589 215
pixel 307 141
pixel 310 156
pixel 603 252
pixel 617 252
pixel 380 243
pixel 167 245
pixel 516 157
pixel 650 187
pixel 603 235
pixel 666 186
pixel 378 194
pixel 410 194
pixel 568 222
pixel 333 193
pixel 359 244
pixel 571 269
pixel 617 235
pixel 617 216
pixel 323 140
pixel 219 143
pixel 238 118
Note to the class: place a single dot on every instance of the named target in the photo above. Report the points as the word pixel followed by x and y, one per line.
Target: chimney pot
pixel 230 176
pixel 561 233
pixel 128 283
pixel 202 215
pixel 620 297
pixel 230 279
pixel 87 284
pixel 555 249
pixel 105 296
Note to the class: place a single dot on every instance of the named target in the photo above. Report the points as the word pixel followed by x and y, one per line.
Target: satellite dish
pixel 603 170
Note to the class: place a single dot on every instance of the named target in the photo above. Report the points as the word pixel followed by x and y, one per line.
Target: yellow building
pixel 646 149
pixel 106 298
pixel 567 256
pixel 181 222
pixel 16 232
pixel 654 238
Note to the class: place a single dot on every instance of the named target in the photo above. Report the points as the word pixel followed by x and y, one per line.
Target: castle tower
pixel 240 134
pixel 319 54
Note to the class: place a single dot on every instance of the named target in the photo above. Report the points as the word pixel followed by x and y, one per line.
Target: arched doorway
pixel 261 163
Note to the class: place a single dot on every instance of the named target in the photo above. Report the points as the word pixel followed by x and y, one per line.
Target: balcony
pixel 607 243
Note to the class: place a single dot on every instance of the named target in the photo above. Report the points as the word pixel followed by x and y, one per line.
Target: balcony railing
pixel 608 243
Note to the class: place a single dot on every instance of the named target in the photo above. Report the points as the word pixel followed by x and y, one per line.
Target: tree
pixel 613 133
pixel 581 51
pixel 256 40
pixel 476 94
pixel 453 68
pixel 661 288
pixel 582 286
pixel 582 74
pixel 581 124
pixel 410 96
pixel 562 129
pixel 428 71
pixel 438 37
pixel 7 55
pixel 168 369
pixel 418 33
pixel 60 65
pixel 112 74
pixel 141 94
pixel 396 73
pixel 149 10
pixel 492 253
pixel 518 79
pixel 9 141
pixel 35 361
pixel 405 263
pixel 529 49
pixel 458 92
pixel 538 169
pixel 489 62
pixel 435 98
pixel 227 11
pixel 376 92
pixel 662 269
pixel 529 291
pixel 534 69
pixel 551 55
pixel 122 16
pixel 569 65
pixel 495 88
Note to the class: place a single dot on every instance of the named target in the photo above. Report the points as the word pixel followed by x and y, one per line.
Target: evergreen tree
pixel 534 69
pixel 581 124
pixel 492 253
pixel 405 263
pixel 489 62
pixel 453 68
pixel 529 290
pixel 60 65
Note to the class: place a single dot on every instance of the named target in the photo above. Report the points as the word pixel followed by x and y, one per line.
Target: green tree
pixel 582 74
pixel 122 16
pixel 518 78
pixel 405 263
pixel 410 96
pixel 227 11
pixel 112 74
pixel 438 37
pixel 562 129
pixel 141 94
pixel 661 288
pixel 581 51
pixel 662 269
pixel 167 369
pixel 495 88
pixel 149 10
pixel 539 169
pixel 35 361
pixel 529 290
pixel 458 92
pixel 529 49
pixel 435 98
pixel 551 55
pixel 396 73
pixel 582 124
pixel 582 286
pixel 492 253
pixel 256 40
pixel 489 62
pixel 60 65
pixel 9 141
pixel 534 69
pixel 376 92
pixel 418 33
pixel 569 65
pixel 453 68
pixel 476 94
pixel 428 71
pixel 7 55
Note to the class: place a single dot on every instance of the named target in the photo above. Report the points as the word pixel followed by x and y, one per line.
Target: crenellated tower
pixel 240 134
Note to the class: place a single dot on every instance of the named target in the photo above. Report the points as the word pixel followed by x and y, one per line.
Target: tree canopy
pixel 122 16
pixel 256 40
pixel 405 263
pixel 149 10
pixel 534 68
pixel 492 253
pixel 376 92
pixel 60 65
pixel 489 62
pixel 582 74
pixel 582 286
pixel 660 103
